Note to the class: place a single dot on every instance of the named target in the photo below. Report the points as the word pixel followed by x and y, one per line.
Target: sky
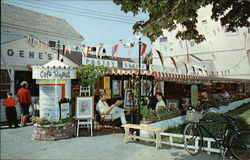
pixel 99 21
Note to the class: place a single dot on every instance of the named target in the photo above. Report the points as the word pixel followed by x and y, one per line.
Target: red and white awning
pixel 177 77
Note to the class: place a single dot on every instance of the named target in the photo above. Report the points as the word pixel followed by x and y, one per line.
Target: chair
pixel 105 120
pixel 84 90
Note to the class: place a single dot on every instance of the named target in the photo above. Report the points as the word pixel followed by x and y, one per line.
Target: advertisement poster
pixel 106 82
pixel 49 95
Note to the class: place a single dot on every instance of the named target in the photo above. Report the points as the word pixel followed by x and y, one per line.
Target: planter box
pixel 165 124
pixel 53 132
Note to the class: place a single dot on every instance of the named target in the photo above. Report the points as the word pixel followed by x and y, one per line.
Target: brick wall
pixel 54 132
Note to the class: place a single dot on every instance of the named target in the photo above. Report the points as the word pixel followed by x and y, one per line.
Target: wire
pixel 101 12
pixel 54 5
pixel 86 15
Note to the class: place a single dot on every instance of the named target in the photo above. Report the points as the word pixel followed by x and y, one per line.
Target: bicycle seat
pixel 230 118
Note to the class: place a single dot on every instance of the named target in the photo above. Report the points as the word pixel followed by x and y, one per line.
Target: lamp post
pixel 58 48
pixel 139 93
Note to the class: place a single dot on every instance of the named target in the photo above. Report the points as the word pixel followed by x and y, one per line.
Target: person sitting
pixel 109 112
pixel 204 95
pixel 225 94
pixel 160 102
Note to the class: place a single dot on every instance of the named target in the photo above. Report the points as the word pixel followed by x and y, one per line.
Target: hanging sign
pixel 132 65
pixel 53 73
pixel 99 62
pixel 106 82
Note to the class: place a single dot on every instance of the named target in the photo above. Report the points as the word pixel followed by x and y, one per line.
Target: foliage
pixel 168 14
pixel 87 74
pixel 217 129
pixel 45 121
pixel 146 113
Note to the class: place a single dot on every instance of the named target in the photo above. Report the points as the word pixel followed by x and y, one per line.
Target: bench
pixel 129 136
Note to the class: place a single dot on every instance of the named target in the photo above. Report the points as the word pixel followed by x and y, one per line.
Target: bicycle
pixel 236 140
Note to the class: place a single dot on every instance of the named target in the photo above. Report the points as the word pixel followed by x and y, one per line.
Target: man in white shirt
pixel 109 112
pixel 160 102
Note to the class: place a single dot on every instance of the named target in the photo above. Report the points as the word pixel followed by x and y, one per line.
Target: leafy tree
pixel 87 74
pixel 166 14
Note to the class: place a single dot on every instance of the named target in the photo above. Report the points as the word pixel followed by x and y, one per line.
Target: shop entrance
pixel 26 76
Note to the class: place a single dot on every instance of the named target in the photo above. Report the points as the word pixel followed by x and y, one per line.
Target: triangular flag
pixel 193 69
pixel 64 50
pixel 83 51
pixel 185 65
pixel 122 42
pixel 161 57
pixel 39 43
pixel 144 46
pixel 69 49
pixel 200 70
pixel 172 58
pixel 115 49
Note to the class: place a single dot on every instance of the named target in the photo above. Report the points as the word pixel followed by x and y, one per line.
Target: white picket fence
pixel 171 142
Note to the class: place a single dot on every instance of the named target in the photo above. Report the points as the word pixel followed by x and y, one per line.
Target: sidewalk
pixel 18 144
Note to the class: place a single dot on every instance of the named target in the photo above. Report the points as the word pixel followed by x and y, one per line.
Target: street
pixel 18 144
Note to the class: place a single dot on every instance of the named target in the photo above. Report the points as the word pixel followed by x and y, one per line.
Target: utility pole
pixel 58 49
pixel 139 93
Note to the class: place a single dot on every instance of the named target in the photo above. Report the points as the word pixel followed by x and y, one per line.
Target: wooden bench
pixel 129 136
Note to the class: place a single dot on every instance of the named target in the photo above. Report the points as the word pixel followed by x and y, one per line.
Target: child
pixel 10 103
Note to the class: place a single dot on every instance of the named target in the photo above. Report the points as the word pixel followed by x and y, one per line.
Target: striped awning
pixel 178 77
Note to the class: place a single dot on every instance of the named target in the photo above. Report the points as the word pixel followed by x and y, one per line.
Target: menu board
pixel 49 95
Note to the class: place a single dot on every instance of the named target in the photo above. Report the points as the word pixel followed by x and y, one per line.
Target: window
pixel 4 84
pixel 164 39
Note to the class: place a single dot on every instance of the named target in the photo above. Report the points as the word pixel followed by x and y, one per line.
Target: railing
pixel 171 142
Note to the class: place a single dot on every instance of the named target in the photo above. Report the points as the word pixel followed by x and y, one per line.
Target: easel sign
pixel 64 108
pixel 84 112
pixel 84 107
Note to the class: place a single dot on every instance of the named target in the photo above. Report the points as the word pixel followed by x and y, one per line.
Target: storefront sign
pixel 28 54
pixel 99 62
pixel 49 95
pixel 132 65
pixel 44 73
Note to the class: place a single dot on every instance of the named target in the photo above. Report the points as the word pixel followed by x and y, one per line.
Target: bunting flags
pixel 206 72
pixel 39 43
pixel 193 69
pixel 200 70
pixel 161 57
pixel 122 42
pixel 64 50
pixel 172 59
pixel 185 65
pixel 115 49
pixel 144 46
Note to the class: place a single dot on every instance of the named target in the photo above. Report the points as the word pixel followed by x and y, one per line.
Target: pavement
pixel 18 144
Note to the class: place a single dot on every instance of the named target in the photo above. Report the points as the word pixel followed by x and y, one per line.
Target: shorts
pixel 25 109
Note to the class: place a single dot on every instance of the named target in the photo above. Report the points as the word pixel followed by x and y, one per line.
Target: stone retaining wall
pixel 54 131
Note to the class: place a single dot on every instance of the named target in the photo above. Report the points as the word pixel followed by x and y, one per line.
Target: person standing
pixel 105 110
pixel 24 98
pixel 10 110
pixel 160 103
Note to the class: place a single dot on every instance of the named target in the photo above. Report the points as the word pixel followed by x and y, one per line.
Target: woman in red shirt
pixel 24 98
pixel 10 110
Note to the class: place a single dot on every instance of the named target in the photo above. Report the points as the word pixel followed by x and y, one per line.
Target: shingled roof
pixel 24 18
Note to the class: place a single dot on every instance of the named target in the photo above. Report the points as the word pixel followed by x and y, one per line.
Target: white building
pixel 223 54
pixel 24 37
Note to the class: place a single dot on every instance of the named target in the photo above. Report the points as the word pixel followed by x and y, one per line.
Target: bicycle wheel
pixel 239 145
pixel 193 139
